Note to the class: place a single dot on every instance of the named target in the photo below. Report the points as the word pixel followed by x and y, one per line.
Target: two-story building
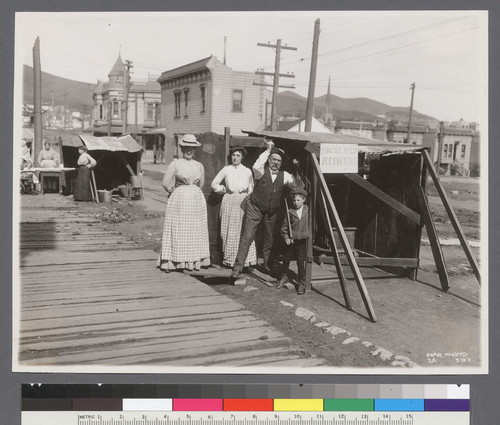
pixel 141 108
pixel 459 146
pixel 355 128
pixel 398 133
pixel 208 95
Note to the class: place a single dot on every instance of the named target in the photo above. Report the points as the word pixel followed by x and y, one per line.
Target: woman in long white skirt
pixel 185 242
pixel 238 185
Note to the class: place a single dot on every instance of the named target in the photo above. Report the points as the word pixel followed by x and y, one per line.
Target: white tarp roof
pixel 125 143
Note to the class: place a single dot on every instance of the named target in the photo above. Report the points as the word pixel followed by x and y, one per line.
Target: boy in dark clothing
pixel 295 232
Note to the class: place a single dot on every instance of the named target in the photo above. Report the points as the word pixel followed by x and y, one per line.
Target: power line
pixel 398 48
pixel 386 38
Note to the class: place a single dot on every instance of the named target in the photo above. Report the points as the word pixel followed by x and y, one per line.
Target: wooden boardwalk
pixel 89 296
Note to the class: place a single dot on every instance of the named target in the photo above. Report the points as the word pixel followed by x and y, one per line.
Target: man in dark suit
pixel 263 205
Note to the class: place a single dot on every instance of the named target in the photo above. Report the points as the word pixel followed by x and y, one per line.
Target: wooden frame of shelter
pixel 385 201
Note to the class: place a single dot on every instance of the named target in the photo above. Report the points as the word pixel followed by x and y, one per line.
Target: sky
pixel 365 54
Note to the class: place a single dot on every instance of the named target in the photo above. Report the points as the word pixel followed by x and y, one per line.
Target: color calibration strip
pixel 247 398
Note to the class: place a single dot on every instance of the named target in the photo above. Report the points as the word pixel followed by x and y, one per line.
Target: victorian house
pixel 140 107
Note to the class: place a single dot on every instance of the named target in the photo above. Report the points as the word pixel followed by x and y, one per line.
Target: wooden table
pixel 44 173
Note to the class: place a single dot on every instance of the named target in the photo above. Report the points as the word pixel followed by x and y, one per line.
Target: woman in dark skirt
pixel 85 163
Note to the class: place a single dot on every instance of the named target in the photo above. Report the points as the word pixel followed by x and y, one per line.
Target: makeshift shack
pixel 367 201
pixel 118 158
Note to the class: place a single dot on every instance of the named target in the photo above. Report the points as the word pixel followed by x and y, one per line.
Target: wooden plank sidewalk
pixel 89 296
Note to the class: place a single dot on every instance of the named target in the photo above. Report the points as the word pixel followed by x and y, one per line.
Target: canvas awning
pixel 364 144
pixel 124 143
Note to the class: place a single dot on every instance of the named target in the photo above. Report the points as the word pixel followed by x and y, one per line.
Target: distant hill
pixel 75 95
pixel 360 108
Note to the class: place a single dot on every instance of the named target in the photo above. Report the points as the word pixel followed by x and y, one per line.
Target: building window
pixel 150 111
pixel 177 97
pixel 445 151
pixel 116 109
pixel 237 100
pixel 450 151
pixel 186 101
pixel 463 151
pixel 157 113
pixel 203 97
pixel 100 112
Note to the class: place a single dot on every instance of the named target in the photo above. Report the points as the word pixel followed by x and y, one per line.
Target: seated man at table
pixel 48 157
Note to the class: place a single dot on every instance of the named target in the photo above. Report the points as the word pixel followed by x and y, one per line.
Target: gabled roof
pixel 146 86
pixel 185 69
pixel 118 67
pixel 316 126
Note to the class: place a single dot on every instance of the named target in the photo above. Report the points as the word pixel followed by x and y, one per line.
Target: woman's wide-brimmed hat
pixel 190 141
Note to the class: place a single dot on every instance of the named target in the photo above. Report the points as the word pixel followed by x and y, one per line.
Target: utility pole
pixel 128 65
pixel 65 110
pixel 412 88
pixel 110 103
pixel 267 127
pixel 136 113
pixel 276 77
pixel 440 146
pixel 37 110
pixel 225 38
pixel 312 77
pixel 51 115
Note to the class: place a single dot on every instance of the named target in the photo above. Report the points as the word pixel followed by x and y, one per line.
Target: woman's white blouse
pixel 238 179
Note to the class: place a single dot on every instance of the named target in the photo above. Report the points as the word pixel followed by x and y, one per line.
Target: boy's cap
pixel 298 191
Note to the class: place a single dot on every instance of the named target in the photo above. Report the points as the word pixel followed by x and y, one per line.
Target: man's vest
pixel 267 195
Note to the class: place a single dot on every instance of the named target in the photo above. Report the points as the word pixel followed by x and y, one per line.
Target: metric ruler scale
pixel 282 404
pixel 245 418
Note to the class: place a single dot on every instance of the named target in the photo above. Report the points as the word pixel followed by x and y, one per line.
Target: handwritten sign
pixel 338 158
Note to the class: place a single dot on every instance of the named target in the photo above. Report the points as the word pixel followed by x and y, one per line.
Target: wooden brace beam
pixel 380 195
pixel 452 215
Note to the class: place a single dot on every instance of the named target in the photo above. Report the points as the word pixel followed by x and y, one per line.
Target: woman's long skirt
pixel 82 187
pixel 185 233
pixel 231 217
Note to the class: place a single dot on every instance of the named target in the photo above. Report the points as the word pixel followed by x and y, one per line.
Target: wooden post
pixel 423 184
pixel 310 239
pixel 312 78
pixel 335 253
pixel 437 252
pixel 440 146
pixel 37 102
pixel 452 216
pixel 227 138
pixel 110 115
pixel 344 241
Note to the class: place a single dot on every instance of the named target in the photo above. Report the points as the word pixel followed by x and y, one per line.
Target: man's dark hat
pixel 299 190
pixel 277 152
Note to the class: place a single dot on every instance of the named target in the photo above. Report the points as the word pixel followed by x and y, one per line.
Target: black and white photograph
pixel 268 192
